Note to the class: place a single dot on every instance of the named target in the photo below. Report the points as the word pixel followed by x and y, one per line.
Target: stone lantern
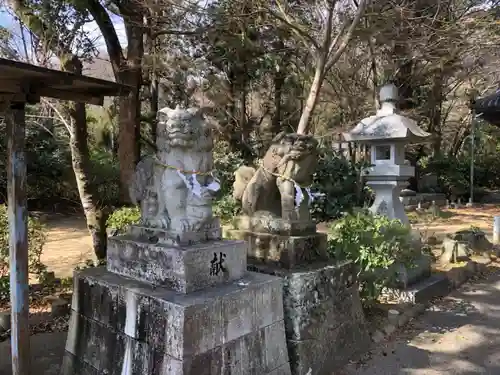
pixel 387 132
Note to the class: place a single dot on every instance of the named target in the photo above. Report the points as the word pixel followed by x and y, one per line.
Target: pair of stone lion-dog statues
pixel 176 186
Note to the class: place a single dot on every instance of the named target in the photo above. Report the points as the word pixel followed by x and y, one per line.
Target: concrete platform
pixel 120 325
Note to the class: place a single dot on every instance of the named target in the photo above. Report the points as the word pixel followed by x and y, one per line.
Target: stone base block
pixel 121 326
pixel 212 231
pixel 420 270
pixel 421 292
pixel 267 223
pixel 183 269
pixel 283 251
pixel 324 320
pixel 438 198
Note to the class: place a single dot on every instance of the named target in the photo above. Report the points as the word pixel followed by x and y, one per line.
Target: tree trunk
pixel 96 220
pixel 127 71
pixel 129 147
pixel 312 99
pixel 128 152
pixel 435 109
pixel 279 82
pixel 154 104
pixel 80 160
pixel 374 71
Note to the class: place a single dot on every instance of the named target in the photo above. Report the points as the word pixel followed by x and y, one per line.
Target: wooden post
pixel 18 239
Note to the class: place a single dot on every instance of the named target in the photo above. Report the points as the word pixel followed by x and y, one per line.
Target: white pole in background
pixel 472 151
pixel 496 229
pixel 472 144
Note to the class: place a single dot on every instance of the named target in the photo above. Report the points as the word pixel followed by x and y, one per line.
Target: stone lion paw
pixel 163 222
pixel 180 225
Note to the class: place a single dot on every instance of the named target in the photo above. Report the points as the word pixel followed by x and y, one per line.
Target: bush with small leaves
pixel 120 219
pixel 226 208
pixel 374 244
pixel 105 177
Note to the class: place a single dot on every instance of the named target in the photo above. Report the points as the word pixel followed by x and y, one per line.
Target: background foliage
pixel 36 241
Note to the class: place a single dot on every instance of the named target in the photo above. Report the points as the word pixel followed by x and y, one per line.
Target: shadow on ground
pixel 458 335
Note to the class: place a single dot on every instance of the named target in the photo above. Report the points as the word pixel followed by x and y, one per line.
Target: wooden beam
pixel 74 96
pixel 7 98
pixel 18 239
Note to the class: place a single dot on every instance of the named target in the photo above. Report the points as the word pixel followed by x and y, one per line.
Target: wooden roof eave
pixel 21 82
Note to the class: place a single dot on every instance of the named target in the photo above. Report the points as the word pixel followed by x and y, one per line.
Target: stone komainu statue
pixel 287 168
pixel 176 187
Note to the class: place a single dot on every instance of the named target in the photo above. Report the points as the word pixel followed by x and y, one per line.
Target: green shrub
pixel 120 219
pixel 373 243
pixel 340 182
pixel 36 240
pixel 50 177
pixel 226 163
pixel 226 208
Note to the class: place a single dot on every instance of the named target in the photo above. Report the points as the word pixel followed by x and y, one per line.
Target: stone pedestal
pixel 325 325
pixel 283 250
pixel 183 269
pixel 280 242
pixel 407 276
pixel 416 284
pixel 324 320
pixel 163 310
pixel 387 202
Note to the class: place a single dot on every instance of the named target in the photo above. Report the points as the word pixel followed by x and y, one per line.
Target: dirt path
pixel 463 218
pixel 68 244
pixel 459 335
pixel 453 220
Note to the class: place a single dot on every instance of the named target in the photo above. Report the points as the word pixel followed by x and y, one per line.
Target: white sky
pixel 8 21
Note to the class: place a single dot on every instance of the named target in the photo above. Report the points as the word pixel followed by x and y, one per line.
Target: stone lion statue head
pixel 293 155
pixel 183 128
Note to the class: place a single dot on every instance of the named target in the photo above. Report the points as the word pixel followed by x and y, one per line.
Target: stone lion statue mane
pixel 290 161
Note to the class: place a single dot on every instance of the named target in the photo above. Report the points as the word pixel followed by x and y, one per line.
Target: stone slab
pixel 119 324
pixel 274 225
pixel 178 324
pixel 439 198
pixel 99 350
pixel 421 292
pixel 407 276
pixel 324 320
pixel 183 269
pixel 283 251
pixel 210 232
